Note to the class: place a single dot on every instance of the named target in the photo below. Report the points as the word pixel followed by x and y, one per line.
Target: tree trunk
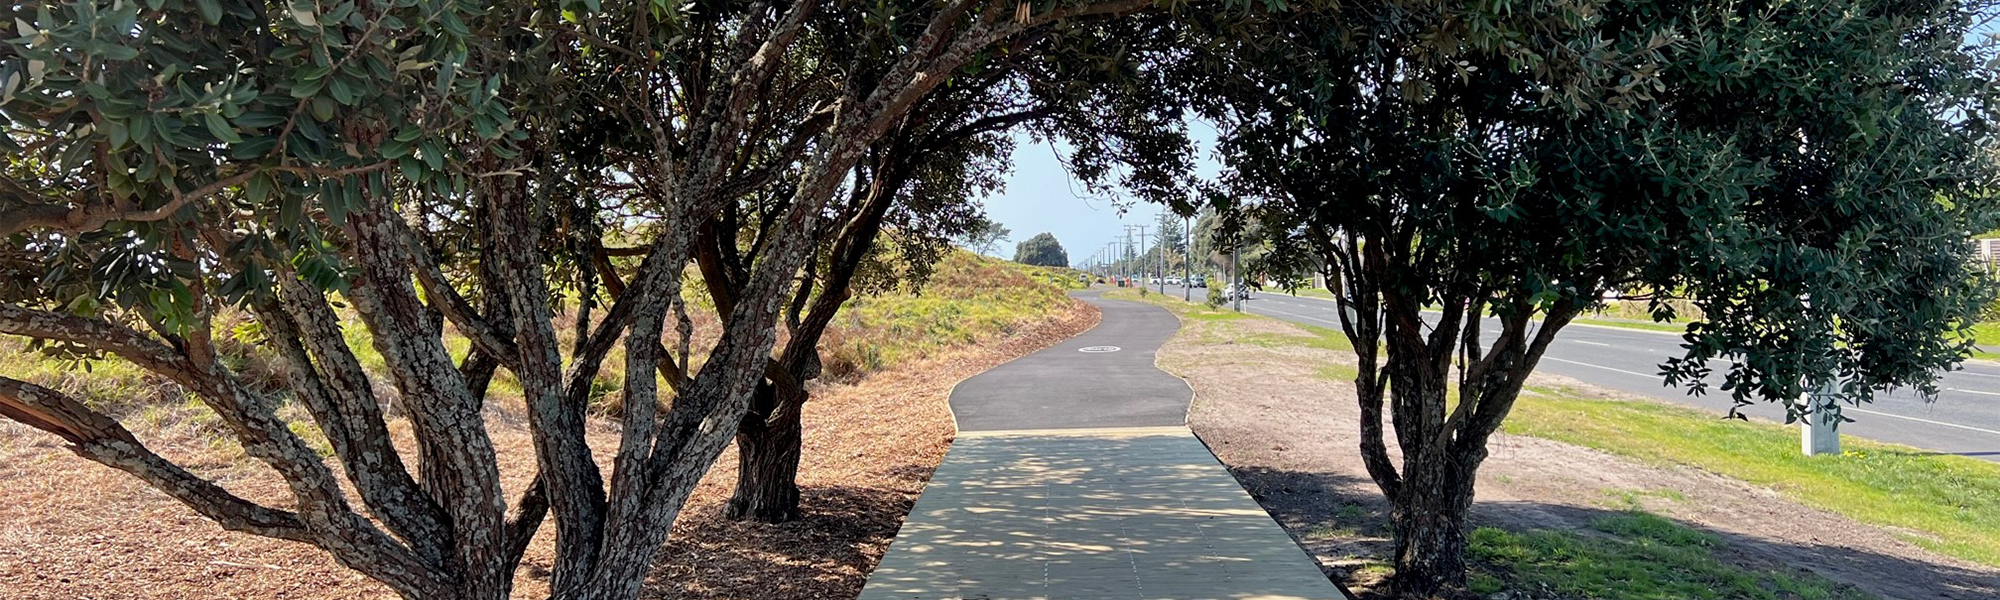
pixel 767 458
pixel 1429 518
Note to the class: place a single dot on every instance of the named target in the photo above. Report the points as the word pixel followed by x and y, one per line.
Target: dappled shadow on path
pixel 1087 517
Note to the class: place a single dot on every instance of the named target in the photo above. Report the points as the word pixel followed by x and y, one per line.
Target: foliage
pixel 1041 250
pixel 984 236
pixel 424 162
pixel 1806 174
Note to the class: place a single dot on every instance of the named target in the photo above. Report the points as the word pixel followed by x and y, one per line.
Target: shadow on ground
pixel 1349 532
pixel 825 554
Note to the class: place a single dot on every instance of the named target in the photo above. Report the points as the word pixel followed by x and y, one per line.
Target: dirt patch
pixel 1289 433
pixel 74 530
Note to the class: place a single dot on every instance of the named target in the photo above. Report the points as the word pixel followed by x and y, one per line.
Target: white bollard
pixel 1816 434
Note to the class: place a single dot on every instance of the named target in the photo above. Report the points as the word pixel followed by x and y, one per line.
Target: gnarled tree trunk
pixel 1429 521
pixel 768 445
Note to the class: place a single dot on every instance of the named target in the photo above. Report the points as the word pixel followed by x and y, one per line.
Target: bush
pixel 1215 299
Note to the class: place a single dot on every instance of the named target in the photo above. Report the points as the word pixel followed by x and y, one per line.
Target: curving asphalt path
pixel 1073 477
pixel 1081 382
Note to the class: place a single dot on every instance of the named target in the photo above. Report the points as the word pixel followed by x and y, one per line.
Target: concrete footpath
pixel 1074 477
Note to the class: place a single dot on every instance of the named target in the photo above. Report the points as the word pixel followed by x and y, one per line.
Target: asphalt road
pixel 1963 419
pixel 1102 378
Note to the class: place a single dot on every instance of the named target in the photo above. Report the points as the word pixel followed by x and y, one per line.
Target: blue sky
pixel 1041 196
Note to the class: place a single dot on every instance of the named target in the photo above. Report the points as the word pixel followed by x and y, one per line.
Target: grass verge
pixel 1948 504
pixel 1632 556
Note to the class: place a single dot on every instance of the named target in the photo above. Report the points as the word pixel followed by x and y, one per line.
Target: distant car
pixel 1153 281
pixel 1198 281
pixel 1236 291
pixel 1173 281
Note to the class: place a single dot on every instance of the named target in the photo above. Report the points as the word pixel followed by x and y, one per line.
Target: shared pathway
pixel 1074 477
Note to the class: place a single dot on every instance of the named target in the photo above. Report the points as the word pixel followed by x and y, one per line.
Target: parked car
pixel 1173 281
pixel 1198 281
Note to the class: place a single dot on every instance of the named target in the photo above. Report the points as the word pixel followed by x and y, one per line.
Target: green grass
pixel 1987 335
pixel 1950 504
pixel 1630 556
pixel 969 299
pixel 1061 277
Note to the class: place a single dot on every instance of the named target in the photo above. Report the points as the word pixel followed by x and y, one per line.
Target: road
pixel 1963 419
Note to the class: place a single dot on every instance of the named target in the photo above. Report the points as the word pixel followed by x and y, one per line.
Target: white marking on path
pixel 1593 343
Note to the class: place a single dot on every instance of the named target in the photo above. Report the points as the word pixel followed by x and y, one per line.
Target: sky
pixel 1041 196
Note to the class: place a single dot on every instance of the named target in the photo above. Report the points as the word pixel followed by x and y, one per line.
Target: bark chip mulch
pixel 73 530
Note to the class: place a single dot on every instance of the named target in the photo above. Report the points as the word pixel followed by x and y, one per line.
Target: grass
pixel 1061 277
pixel 1949 504
pixel 1631 556
pixel 1986 335
pixel 969 299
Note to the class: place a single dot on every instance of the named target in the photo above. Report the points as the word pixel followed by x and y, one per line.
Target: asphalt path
pixel 1104 377
pixel 1964 418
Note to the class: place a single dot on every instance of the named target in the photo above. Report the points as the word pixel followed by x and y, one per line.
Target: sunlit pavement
pixel 1065 484
pixel 1134 513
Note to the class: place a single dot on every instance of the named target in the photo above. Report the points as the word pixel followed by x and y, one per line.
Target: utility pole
pixel 1126 256
pixel 1236 274
pixel 1163 259
pixel 1146 266
pixel 1187 261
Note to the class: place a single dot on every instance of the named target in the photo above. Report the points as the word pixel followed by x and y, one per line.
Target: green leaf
pixel 220 129
pixel 211 11
pixel 303 13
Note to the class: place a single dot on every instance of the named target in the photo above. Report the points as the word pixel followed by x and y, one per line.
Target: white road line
pixel 1844 408
pixel 1927 421
pixel 1585 364
pixel 1333 323
pixel 1656 375
pixel 1592 343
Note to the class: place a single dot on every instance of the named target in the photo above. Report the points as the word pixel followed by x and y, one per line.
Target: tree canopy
pixel 1041 250
pixel 1804 172
pixel 169 162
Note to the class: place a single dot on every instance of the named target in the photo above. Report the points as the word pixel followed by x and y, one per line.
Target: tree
pixel 1805 172
pixel 985 236
pixel 1041 250
pixel 168 161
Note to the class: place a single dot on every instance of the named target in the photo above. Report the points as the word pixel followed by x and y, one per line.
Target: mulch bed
pixel 73 530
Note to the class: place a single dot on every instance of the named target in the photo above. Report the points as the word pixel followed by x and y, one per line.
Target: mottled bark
pixel 768 448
